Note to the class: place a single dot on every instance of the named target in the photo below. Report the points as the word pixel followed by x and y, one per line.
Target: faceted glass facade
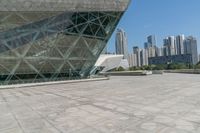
pixel 47 41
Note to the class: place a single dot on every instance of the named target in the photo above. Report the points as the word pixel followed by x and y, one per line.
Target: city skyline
pixel 175 39
pixel 155 18
pixel 175 49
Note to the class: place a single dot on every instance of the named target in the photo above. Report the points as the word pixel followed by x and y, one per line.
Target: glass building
pixel 49 40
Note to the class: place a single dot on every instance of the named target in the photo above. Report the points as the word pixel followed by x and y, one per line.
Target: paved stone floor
pixel 168 103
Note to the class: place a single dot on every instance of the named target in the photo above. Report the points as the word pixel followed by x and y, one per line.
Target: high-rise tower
pixel 121 43
pixel 180 44
pixel 190 44
pixel 151 40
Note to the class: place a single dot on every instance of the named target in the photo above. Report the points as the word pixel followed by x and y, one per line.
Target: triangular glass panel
pixel 88 31
pixel 101 33
pixel 81 27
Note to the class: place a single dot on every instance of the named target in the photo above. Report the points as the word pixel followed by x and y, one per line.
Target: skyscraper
pixel 121 43
pixel 190 45
pixel 144 57
pixel 151 52
pixel 180 44
pixel 147 45
pixel 165 47
pixel 151 40
pixel 169 44
pixel 132 60
pixel 162 51
pixel 136 51
pixel 171 41
pixel 150 46
pixel 157 51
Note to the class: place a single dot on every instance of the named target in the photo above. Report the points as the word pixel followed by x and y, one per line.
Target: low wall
pixel 157 72
pixel 129 73
pixel 186 71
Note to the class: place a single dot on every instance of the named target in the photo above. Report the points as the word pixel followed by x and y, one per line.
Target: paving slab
pixel 168 103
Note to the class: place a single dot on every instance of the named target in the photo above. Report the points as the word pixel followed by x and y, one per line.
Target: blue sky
pixel 161 18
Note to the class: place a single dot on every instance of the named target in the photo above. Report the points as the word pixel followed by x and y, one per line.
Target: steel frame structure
pixel 39 46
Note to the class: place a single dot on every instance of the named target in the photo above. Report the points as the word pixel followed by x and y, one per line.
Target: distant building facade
pixel 144 57
pixel 169 44
pixel 132 60
pixel 121 43
pixel 151 52
pixel 184 58
pixel 136 51
pixel 190 44
pixel 151 40
pixel 147 45
pixel 180 44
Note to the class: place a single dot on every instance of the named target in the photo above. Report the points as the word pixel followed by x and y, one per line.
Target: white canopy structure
pixel 110 62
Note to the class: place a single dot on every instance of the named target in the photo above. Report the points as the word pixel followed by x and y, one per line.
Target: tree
pixel 148 67
pixel 197 66
pixel 134 68
pixel 159 67
pixel 120 69
pixel 174 66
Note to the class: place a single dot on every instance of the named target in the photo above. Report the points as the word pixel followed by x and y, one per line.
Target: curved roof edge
pixel 64 5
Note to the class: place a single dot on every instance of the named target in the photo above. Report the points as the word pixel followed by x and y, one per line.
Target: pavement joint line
pixel 44 118
pixel 13 115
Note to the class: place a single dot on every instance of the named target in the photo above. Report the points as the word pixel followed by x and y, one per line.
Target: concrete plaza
pixel 168 103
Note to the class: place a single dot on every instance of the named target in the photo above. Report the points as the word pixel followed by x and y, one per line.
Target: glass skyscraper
pixel 151 40
pixel 191 48
pixel 121 43
pixel 48 40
